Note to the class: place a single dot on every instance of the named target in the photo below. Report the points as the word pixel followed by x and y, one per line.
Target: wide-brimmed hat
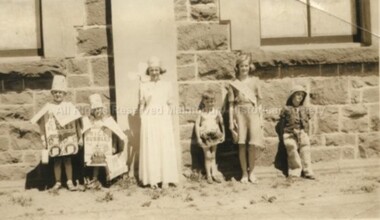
pixel 59 83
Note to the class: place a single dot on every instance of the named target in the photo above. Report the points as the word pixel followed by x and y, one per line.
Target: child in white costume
pixel 60 127
pixel 158 154
pixel 209 130
pixel 100 141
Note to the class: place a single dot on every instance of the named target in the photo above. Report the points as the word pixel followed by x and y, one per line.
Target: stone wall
pixel 342 83
pixel 25 89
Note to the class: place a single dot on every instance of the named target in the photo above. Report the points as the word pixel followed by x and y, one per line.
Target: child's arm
pixel 197 132
pixel 231 108
pixel 221 125
pixel 41 124
pixel 142 101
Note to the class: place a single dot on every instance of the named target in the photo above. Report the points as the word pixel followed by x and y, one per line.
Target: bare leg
pixel 251 161
pixel 214 168
pixel 95 173
pixel 57 169
pixel 243 162
pixel 68 168
pixel 208 159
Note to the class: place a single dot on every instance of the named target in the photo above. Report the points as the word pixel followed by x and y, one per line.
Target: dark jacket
pixel 290 119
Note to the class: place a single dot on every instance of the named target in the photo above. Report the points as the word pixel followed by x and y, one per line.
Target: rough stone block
pixel 204 12
pixel 187 117
pixel 203 37
pixel 25 136
pixel 31 69
pixel 13 84
pixel 38 83
pixel 359 82
pixel 350 69
pixel 300 70
pixel 180 10
pixel 216 66
pixel 191 95
pixel 185 59
pixel 15 172
pixel 32 157
pixel 371 95
pixel 92 41
pixel 76 66
pixel 348 153
pixel 328 120
pixel 371 68
pixel 10 157
pixel 266 156
pixel 275 93
pixel 316 140
pixel 269 128
pixel 14 98
pixel 96 12
pixel 16 113
pixel 355 118
pixel 186 73
pixel 329 70
pixel 369 145
pixel 339 140
pixel 355 96
pixel 4 143
pixel 327 91
pixel 374 116
pixel 101 72
pixel 78 81
pixel 186 132
pixel 325 154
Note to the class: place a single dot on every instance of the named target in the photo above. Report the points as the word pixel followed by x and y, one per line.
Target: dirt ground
pixel 343 194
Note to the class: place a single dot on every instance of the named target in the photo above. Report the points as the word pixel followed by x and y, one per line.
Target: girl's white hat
pixel 96 101
pixel 154 62
pixel 59 83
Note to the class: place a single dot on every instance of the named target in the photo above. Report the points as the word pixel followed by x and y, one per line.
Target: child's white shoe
pixel 70 185
pixel 56 186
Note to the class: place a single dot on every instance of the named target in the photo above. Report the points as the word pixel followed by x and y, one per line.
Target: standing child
pixel 158 153
pixel 244 116
pixel 100 142
pixel 60 127
pixel 294 121
pixel 209 130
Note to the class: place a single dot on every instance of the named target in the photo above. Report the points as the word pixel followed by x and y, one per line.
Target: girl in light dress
pixel 158 153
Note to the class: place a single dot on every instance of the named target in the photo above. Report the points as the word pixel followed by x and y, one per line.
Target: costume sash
pixel 243 88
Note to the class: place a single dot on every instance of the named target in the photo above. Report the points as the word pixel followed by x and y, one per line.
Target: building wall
pixel 343 84
pixel 25 82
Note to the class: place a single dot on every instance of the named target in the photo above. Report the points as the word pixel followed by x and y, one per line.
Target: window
pixel 313 21
pixel 20 28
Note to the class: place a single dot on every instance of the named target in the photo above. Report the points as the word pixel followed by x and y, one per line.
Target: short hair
pixel 242 58
pixel 162 71
pixel 208 94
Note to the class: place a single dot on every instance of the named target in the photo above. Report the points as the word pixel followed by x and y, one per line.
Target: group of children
pixel 64 131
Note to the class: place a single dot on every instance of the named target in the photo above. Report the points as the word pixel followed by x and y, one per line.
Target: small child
pixel 99 141
pixel 294 121
pixel 60 127
pixel 209 130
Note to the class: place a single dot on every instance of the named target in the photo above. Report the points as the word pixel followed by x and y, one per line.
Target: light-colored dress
pixel 158 156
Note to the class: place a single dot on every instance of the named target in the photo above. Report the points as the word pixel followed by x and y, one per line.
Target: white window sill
pixel 310 46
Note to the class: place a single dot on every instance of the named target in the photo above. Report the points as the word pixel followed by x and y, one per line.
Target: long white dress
pixel 158 157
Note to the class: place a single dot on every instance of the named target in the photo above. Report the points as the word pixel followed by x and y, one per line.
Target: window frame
pixel 363 30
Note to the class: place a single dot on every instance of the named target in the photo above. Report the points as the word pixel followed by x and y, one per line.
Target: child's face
pixel 58 96
pixel 297 98
pixel 244 68
pixel 98 113
pixel 209 102
pixel 154 73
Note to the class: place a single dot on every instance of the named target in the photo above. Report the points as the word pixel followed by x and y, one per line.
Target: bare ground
pixel 340 194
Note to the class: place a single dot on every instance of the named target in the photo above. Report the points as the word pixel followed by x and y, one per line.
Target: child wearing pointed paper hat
pixel 60 131
pixel 100 139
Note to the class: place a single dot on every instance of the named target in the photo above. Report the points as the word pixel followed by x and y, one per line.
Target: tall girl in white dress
pixel 158 157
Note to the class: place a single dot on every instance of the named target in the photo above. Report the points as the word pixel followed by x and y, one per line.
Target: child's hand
pixel 80 142
pixel 113 150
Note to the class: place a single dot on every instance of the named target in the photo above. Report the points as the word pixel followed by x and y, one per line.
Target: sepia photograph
pixel 189 109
